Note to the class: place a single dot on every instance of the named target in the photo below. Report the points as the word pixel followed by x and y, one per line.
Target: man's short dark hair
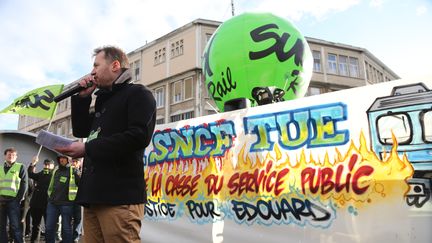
pixel 62 156
pixel 48 161
pixel 11 150
pixel 113 53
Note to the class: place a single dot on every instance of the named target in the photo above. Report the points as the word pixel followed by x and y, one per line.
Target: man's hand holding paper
pixel 74 150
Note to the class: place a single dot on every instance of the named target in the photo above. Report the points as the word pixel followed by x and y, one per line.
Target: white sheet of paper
pixel 51 140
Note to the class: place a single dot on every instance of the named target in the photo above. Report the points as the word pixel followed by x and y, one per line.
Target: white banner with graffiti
pixel 347 166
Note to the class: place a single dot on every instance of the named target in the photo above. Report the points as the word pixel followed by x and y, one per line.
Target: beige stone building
pixel 171 67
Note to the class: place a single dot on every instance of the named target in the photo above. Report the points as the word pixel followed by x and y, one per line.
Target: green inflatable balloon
pixel 257 56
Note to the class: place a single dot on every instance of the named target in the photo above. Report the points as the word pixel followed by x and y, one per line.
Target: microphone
pixel 71 92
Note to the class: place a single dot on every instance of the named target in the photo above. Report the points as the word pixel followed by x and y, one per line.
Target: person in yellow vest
pixel 13 186
pixel 77 211
pixel 61 195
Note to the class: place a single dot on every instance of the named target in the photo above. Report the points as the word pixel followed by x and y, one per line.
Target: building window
pixel 188 88
pixel 208 36
pixel 61 128
pixel 375 78
pixel 180 47
pixel 159 56
pixel 160 121
pixel 62 106
pixel 59 107
pixel 183 116
pixel 182 90
pixel 313 91
pixel 354 67
pixel 137 65
pixel 177 91
pixel 331 63
pixel 159 95
pixel 211 112
pixel 367 71
pixel 343 65
pixel 317 61
pixel 172 49
pixel 177 48
pixel 70 126
pixel 58 131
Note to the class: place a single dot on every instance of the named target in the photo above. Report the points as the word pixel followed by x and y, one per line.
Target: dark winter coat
pixel 122 126
pixel 41 180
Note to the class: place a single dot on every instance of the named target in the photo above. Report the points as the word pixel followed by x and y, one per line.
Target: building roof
pixel 355 48
pixel 178 30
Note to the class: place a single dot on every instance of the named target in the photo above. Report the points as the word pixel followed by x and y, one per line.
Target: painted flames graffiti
pixel 275 188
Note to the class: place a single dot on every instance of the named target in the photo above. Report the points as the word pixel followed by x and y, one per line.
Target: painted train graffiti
pixel 300 170
pixel 406 115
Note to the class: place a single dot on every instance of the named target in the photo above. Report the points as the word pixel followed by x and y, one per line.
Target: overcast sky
pixel 50 42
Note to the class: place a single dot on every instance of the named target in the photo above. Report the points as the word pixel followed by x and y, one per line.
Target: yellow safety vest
pixel 10 182
pixel 73 188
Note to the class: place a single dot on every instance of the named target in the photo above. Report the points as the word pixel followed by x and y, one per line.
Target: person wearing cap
pixel 13 186
pixel 62 191
pixel 39 200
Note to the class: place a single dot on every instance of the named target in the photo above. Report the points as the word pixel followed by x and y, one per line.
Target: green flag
pixel 37 103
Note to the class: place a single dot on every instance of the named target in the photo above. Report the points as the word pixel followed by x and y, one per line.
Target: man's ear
pixel 115 66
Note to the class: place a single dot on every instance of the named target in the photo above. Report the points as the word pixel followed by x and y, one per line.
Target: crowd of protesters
pixel 28 197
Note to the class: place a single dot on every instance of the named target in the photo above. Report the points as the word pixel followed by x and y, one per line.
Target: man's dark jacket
pixel 124 120
pixel 41 180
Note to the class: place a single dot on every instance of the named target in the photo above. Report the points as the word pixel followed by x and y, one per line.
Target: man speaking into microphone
pixel 112 187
